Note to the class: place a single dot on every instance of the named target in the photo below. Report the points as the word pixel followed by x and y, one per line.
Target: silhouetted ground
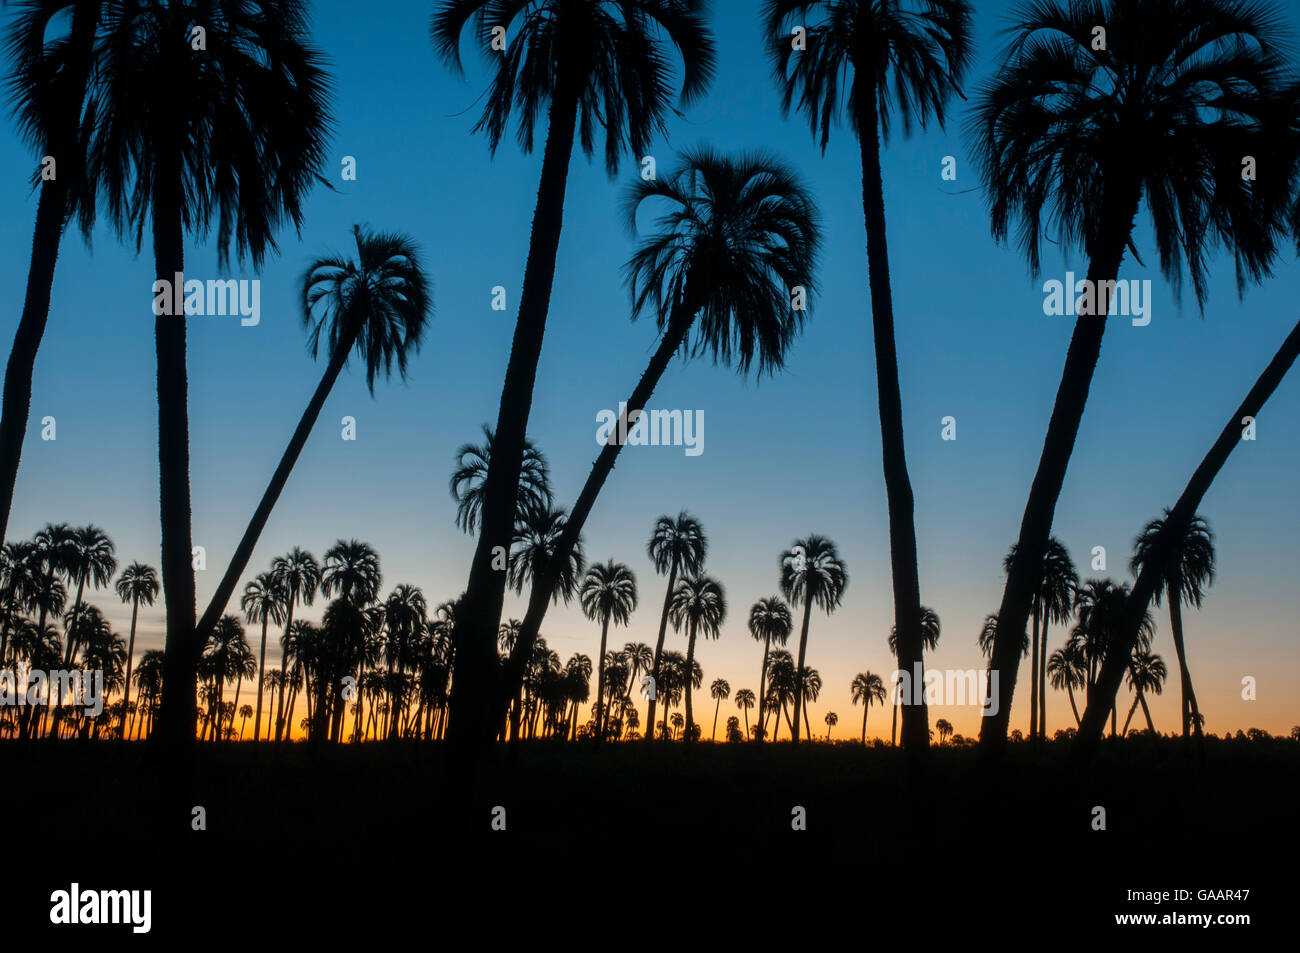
pixel 346 838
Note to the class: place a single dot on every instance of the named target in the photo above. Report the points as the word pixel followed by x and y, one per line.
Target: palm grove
pixel 1073 135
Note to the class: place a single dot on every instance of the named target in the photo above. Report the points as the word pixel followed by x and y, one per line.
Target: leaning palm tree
pixel 700 604
pixel 737 238
pixel 930 631
pixel 243 144
pixel 298 575
pixel 376 304
pixel 769 621
pixel 137 584
pixel 867 688
pixel 49 70
pixel 720 690
pixel 1146 673
pixel 469 481
pixel 245 713
pixel 904 55
pixel 607 594
pixel 1079 138
pixel 592 64
pixel 263 601
pixel 811 573
pixel 745 701
pixel 1185 572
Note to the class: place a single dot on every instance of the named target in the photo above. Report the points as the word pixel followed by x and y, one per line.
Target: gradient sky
pixel 784 457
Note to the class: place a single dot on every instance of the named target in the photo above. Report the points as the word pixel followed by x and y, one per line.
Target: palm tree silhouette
pixel 944 727
pixel 700 604
pixel 639 659
pixel 1186 571
pixel 811 682
pixel 831 720
pixel 263 601
pixel 212 159
pixel 676 545
pixel 136 584
pixel 930 631
pixel 1053 601
pixel 608 594
pixel 49 75
pixel 745 701
pixel 1146 673
pixel 89 558
pixel 298 575
pixel 603 63
pixel 1081 137
pixel 535 544
pixel 719 690
pixel 148 682
pixel 404 619
pixel 469 479
pixel 351 570
pixel 867 687
pixel 736 236
pixel 1068 669
pixel 781 688
pixel 1101 606
pixel 769 621
pixel 909 56
pixel 377 304
pixel 245 713
pixel 811 572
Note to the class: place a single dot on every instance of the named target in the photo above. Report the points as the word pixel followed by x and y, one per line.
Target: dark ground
pixel 300 841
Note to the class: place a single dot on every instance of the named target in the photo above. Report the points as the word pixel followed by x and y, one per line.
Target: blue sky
pixel 784 457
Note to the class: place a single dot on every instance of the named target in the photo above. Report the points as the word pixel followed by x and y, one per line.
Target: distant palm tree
pixel 608 594
pixel 700 604
pixel 90 559
pixel 1078 139
pixel 577 685
pixel 263 601
pixel 781 688
pixel 352 571
pixel 908 55
pixel 137 584
pixel 535 544
pixel 298 576
pixel 944 727
pixel 745 701
pixel 1053 601
pixel 868 688
pixel 1067 669
pixel 639 659
pixel 1185 570
pixel 1101 606
pixel 769 621
pixel 930 631
pixel 245 713
pixel 49 71
pixel 811 572
pixel 676 545
pixel 469 479
pixel 148 682
pixel 376 304
pixel 735 236
pixel 811 681
pixel 720 690
pixel 244 144
pixel 404 618
pixel 831 720
pixel 599 64
pixel 1146 673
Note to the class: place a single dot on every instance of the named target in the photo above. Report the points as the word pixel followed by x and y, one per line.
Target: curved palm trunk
pixel 1191 714
pixel 1175 525
pixel 679 325
pixel 893 731
pixel 1147 712
pixel 261 675
pixel 473 712
pixel 130 657
pixel 1042 683
pixel 898 487
pixel 716 709
pixel 1073 707
pixel 1132 708
pixel 178 715
pixel 798 672
pixel 690 668
pixel 600 682
pixel 1118 211
pixel 284 668
pixel 762 684
pixel 1033 680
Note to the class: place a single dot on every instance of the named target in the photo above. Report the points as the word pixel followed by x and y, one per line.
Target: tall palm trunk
pixel 1132 708
pixel 1147 712
pixel 865 708
pixel 898 487
pixel 130 657
pixel 762 683
pixel 1176 523
pixel 478 614
pixel 600 683
pixel 284 667
pixel 1191 714
pixel 1042 681
pixel 1073 707
pixel 261 675
pixel 893 731
pixel 659 651
pixel 798 672
pixel 1033 680
pixel 244 551
pixel 716 709
pixel 51 215
pixel 1119 208
pixel 690 670
pixel 680 321
pixel 178 716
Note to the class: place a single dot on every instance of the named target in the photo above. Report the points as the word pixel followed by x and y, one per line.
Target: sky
pixel 784 457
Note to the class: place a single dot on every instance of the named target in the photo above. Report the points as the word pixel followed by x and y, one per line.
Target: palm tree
pixel 831 720
pixel 908 55
pixel 745 701
pixel 607 594
pixel 1185 572
pixel 781 689
pixel 811 687
pixel 376 304
pixel 137 584
pixel 263 601
pixel 944 727
pixel 297 575
pixel 811 572
pixel 577 685
pixel 469 479
pixel 404 617
pixel 1067 669
pixel 867 687
pixel 245 713
pixel 49 74
pixel 700 604
pixel 1078 138
pixel 1053 601
pixel 930 631
pixel 769 621
pixel 148 682
pixel 89 559
pixel 351 571
pixel 535 543
pixel 243 144
pixel 226 656
pixel 639 659
pixel 1146 673
pixel 719 690
pixel 593 64
pixel 1101 606
pixel 736 236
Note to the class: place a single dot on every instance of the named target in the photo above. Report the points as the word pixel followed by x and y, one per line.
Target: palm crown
pixel 608 592
pixel 469 480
